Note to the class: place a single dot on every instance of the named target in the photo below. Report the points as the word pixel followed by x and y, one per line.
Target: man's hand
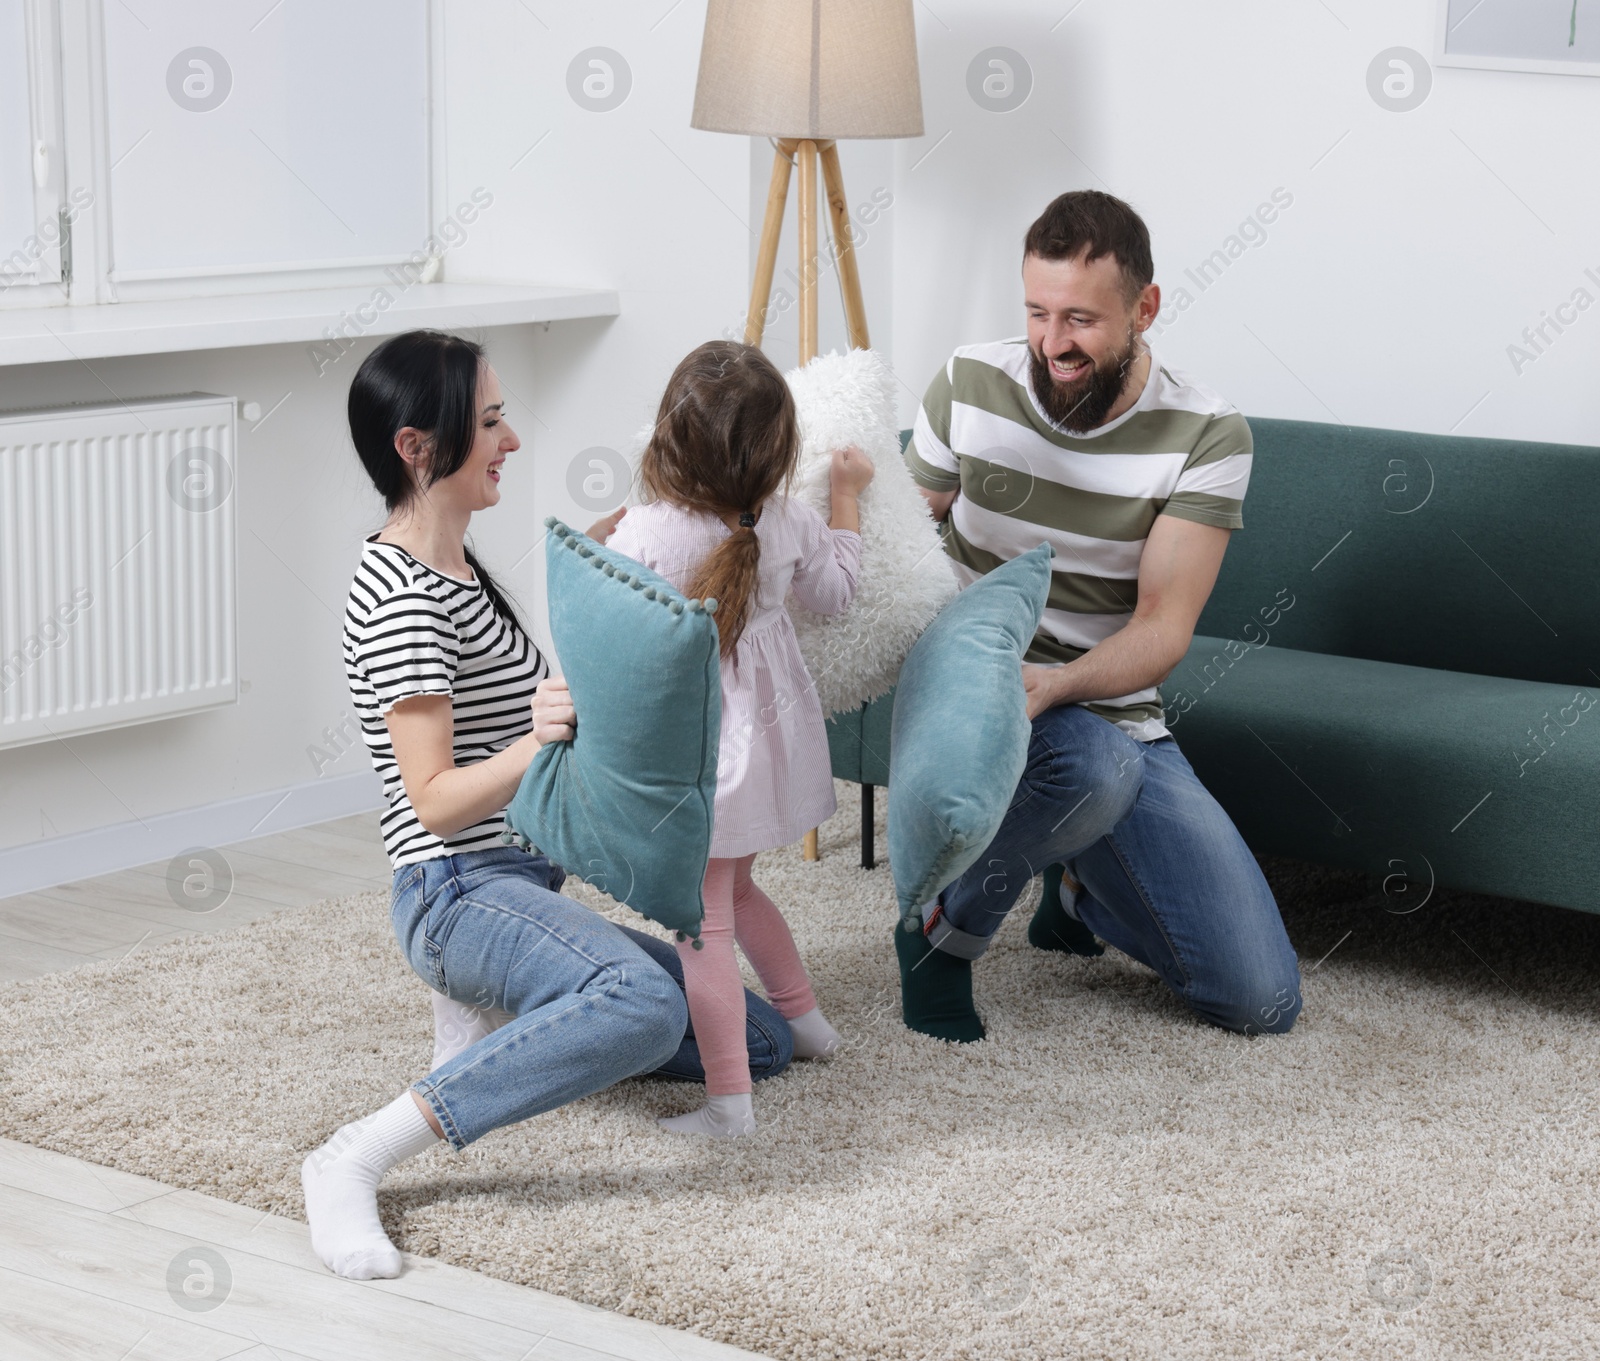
pixel 939 502
pixel 1039 686
pixel 1176 573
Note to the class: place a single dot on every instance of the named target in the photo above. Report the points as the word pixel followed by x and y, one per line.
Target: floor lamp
pixel 805 73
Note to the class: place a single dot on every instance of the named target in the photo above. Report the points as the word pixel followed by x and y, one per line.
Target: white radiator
pixel 116 565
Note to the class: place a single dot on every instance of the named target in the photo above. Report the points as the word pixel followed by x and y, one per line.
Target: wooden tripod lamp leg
pixel 789 153
pixel 806 164
pixel 806 161
pixel 855 311
pixel 771 229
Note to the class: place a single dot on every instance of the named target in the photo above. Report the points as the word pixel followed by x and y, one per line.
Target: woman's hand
pixel 849 472
pixel 554 718
pixel 601 530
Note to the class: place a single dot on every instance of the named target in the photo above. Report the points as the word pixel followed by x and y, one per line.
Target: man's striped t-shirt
pixel 1180 450
pixel 410 630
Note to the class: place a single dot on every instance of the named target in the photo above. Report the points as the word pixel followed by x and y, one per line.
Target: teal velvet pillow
pixel 959 733
pixel 627 804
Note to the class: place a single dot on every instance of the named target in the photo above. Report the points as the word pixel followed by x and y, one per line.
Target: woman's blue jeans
pixel 1167 877
pixel 593 1002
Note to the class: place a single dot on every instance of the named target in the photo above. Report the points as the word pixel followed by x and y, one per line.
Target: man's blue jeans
pixel 593 1003
pixel 1167 877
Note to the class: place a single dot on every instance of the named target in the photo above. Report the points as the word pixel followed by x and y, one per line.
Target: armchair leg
pixel 868 860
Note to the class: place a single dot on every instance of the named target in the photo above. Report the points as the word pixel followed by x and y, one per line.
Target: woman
pixel 538 1001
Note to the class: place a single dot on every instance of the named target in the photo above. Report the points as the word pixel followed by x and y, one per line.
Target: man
pixel 1134 473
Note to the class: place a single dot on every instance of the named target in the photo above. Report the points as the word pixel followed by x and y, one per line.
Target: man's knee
pixel 1267 1005
pixel 1086 764
pixel 1274 1013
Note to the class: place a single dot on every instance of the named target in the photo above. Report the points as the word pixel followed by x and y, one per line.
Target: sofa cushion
pixel 959 731
pixel 1442 776
pixel 858 741
pixel 627 804
pixel 1472 555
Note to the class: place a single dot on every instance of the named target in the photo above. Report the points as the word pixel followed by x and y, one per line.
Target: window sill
pixel 327 317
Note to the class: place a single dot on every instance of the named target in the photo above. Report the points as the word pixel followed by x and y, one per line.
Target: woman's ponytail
pixel 497 597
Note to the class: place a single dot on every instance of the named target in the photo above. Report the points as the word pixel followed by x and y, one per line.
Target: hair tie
pixel 747 520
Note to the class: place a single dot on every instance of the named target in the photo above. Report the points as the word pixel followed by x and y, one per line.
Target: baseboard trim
pixel 103 850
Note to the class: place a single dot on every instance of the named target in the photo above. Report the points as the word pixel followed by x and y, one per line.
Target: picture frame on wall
pixel 1551 37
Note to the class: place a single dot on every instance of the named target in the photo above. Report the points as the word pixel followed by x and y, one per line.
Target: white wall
pixel 1415 251
pixel 631 199
pixel 303 503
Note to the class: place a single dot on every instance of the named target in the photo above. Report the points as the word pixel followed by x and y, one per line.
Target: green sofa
pixel 1399 668
pixel 858 742
pixel 1424 710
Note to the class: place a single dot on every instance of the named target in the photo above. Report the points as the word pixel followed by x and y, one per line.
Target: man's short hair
pixel 1091 224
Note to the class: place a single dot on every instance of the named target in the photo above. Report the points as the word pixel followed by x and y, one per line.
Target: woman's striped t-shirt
pixel 1180 450
pixel 410 630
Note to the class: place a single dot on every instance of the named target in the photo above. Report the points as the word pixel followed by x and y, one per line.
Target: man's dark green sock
pixel 935 989
pixel 1052 928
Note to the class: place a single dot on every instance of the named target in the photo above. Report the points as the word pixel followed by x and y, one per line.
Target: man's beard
pixel 1083 405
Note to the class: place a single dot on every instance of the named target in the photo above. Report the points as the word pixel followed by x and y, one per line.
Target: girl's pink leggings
pixel 737 910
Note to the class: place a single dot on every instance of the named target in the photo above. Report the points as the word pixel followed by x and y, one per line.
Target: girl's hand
pixel 601 530
pixel 554 718
pixel 850 472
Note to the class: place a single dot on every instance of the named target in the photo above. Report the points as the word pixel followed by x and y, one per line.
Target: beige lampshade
pixel 809 68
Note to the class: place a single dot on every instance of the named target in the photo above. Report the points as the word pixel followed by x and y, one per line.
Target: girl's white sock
pixel 457 1025
pixel 340 1181
pixel 814 1038
pixel 722 1117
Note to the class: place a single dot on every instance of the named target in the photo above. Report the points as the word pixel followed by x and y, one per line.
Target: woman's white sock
pixel 340 1181
pixel 722 1117
pixel 814 1038
pixel 457 1025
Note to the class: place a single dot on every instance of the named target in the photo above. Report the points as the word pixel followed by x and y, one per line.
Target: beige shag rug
pixel 1412 1173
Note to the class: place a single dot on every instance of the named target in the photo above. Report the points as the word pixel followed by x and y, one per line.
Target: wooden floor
pixel 96 1264
pixel 116 914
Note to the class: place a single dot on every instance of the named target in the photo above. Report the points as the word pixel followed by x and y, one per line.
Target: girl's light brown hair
pixel 725 440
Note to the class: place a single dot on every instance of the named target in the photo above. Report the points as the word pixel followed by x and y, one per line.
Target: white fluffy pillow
pixel 905 576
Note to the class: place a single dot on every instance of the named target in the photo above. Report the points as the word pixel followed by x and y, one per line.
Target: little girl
pixel 718 522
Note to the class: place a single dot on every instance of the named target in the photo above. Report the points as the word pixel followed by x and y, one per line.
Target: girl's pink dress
pixel 774 777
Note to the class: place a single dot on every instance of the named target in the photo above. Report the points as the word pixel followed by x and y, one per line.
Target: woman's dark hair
pixel 726 439
pixel 429 381
pixel 1088 223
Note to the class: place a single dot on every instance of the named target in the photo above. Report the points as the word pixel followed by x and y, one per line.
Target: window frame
pixel 76 73
pixel 43 284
